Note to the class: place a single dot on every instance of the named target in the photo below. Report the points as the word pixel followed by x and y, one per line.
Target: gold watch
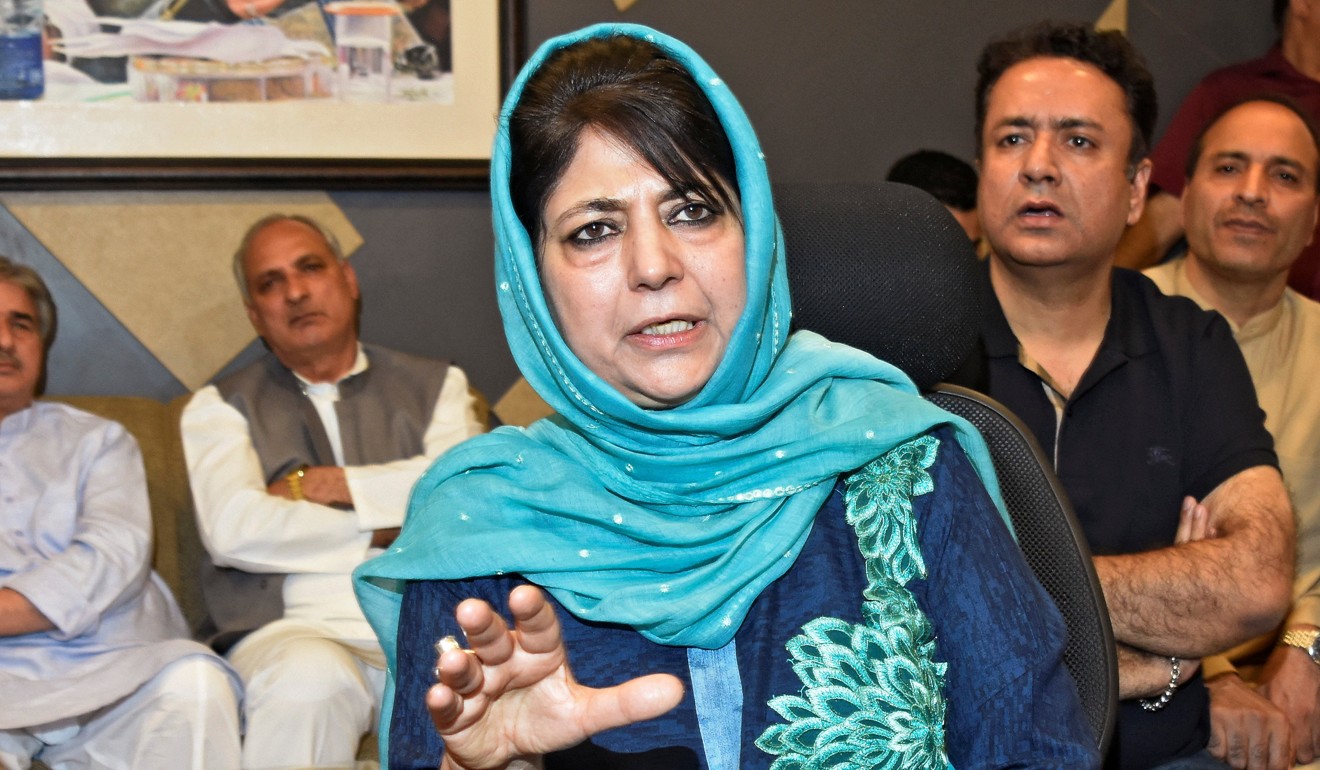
pixel 1307 639
pixel 295 479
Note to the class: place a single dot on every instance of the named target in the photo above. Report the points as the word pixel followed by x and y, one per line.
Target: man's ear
pixel 1315 213
pixel 253 317
pixel 1301 8
pixel 350 275
pixel 1137 192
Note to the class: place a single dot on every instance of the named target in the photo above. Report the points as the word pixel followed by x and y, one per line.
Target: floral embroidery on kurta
pixel 872 693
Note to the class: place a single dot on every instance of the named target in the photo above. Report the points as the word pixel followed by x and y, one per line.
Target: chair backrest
pixel 1054 546
pixel 885 268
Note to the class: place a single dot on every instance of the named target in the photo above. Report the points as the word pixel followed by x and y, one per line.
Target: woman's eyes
pixel 691 212
pixel 688 213
pixel 591 232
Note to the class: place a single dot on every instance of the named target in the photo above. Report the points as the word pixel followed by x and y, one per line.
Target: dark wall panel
pixel 837 90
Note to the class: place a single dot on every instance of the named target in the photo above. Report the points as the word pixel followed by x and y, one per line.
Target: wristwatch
pixel 1308 640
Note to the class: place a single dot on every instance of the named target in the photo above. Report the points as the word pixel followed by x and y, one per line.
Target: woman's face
pixel 645 284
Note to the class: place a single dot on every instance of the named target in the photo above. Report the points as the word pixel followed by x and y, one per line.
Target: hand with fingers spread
pixel 512 696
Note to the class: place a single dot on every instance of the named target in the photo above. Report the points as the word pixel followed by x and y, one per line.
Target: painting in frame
pixel 123 137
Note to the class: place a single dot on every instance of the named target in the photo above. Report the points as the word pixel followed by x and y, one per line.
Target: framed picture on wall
pixel 285 93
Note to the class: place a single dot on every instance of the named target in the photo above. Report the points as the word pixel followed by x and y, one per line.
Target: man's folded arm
pixel 240 522
pixel 1200 598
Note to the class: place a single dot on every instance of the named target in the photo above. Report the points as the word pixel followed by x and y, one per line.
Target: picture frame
pixel 316 143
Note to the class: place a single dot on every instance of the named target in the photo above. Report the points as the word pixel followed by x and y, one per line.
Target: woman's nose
pixel 656 258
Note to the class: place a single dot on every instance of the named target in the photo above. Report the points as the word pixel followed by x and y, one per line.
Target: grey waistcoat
pixel 383 415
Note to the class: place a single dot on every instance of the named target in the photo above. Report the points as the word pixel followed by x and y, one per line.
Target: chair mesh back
pixel 854 251
pixel 885 268
pixel 1054 547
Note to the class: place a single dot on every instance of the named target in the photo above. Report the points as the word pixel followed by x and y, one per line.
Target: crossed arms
pixel 1197 598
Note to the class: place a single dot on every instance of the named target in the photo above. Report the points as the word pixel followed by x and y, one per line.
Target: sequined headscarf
pixel 668 521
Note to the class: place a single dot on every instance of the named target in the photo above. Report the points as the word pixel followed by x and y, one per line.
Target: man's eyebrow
pixel 1245 157
pixel 1075 122
pixel 20 315
pixel 1022 121
pixel 1230 155
pixel 264 274
pixel 1284 160
pixel 1016 121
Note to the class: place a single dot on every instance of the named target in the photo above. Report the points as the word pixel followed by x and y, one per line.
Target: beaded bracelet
pixel 1160 702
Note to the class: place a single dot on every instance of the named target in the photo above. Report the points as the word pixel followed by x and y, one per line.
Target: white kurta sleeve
pixel 241 524
pixel 380 492
pixel 97 504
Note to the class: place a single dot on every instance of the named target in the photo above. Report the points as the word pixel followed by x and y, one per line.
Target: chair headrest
pixel 883 267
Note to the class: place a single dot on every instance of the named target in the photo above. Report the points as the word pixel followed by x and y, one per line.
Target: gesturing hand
pixel 513 697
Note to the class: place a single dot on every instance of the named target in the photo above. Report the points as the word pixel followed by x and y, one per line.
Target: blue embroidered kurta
pixel 1010 702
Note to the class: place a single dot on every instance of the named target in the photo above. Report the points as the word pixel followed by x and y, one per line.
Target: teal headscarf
pixel 669 521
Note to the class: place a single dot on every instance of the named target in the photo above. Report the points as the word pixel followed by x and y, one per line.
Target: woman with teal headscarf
pixel 803 557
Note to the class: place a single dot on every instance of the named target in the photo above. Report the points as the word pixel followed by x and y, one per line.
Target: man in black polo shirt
pixel 1143 401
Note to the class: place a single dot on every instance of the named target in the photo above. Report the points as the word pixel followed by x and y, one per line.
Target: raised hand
pixel 512 696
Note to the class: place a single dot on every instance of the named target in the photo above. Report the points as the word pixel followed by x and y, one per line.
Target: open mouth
pixel 668 327
pixel 1040 209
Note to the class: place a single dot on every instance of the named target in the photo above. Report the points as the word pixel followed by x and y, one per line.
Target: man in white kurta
pixel 95 667
pixel 1249 208
pixel 301 465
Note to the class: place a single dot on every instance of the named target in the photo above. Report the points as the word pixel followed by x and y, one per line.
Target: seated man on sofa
pixel 300 465
pixel 95 669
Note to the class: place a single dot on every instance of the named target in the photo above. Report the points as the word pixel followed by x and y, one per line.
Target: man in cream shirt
pixel 1249 209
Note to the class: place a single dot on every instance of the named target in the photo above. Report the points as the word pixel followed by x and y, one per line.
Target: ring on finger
pixel 447 643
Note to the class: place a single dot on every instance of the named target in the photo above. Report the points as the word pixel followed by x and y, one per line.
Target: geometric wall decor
pixel 160 262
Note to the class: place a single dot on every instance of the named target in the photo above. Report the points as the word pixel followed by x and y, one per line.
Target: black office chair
pixel 885 268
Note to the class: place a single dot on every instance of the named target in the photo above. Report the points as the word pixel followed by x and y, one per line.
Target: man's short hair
pixel 950 179
pixel 240 255
pixel 1198 144
pixel 28 279
pixel 1109 51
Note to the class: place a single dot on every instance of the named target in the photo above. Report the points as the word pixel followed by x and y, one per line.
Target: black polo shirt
pixel 1166 409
